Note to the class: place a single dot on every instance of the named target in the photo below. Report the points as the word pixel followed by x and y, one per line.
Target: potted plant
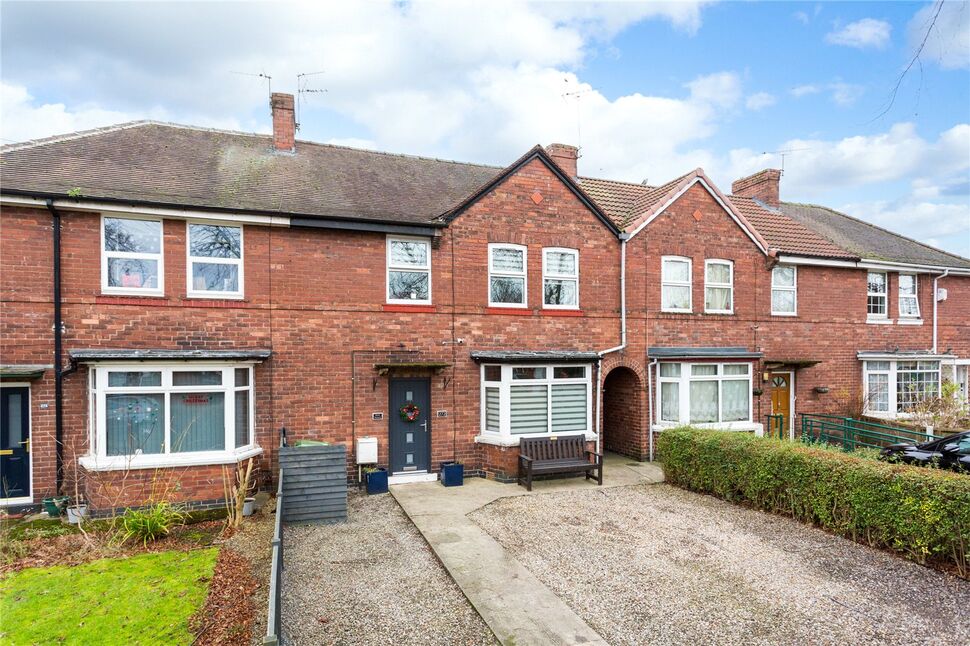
pixel 55 506
pixel 77 513
pixel 452 473
pixel 376 480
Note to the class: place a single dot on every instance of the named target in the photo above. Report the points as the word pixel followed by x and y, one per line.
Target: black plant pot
pixel 452 474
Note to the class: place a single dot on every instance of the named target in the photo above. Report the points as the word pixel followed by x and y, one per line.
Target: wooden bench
pixel 557 454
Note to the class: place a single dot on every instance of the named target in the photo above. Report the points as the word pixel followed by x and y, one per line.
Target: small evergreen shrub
pixel 150 523
pixel 922 513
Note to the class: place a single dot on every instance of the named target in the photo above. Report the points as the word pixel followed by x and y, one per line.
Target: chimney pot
pixel 566 156
pixel 763 186
pixel 284 122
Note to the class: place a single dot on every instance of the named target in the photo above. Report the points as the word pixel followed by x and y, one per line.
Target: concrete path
pixel 515 605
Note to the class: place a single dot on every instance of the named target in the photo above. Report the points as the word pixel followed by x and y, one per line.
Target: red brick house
pixel 213 287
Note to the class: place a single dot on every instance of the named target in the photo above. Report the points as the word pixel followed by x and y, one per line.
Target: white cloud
pixel 804 90
pixel 722 89
pixel 846 94
pixel 931 222
pixel 862 34
pixel 948 43
pixel 759 101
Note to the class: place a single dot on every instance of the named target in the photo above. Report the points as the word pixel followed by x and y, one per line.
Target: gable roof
pixel 172 165
pixel 786 235
pixel 867 240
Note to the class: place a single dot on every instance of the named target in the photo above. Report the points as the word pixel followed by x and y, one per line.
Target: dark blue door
pixel 410 425
pixel 14 442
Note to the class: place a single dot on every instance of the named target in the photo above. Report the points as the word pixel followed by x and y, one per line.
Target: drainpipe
pixel 58 350
pixel 946 272
pixel 650 404
pixel 599 364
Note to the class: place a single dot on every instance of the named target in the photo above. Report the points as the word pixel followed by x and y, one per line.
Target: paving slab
pixel 518 608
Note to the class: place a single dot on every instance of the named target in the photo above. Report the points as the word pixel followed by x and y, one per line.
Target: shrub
pixel 150 523
pixel 922 513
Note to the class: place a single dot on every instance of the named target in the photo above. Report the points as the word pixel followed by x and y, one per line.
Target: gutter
pixel 936 303
pixel 599 364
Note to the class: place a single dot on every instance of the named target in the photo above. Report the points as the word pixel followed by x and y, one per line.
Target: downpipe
pixel 58 350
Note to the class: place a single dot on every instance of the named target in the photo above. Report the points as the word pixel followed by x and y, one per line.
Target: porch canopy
pixel 29 371
pixel 530 356
pixel 95 355
pixel 702 353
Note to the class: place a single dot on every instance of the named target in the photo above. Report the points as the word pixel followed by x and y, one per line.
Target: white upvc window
pixel 718 286
pixel 215 260
pixel 705 394
pixel 533 400
pixel 146 414
pixel 132 259
pixel 409 271
pixel 507 281
pixel 784 290
pixel 908 297
pixel 560 278
pixel 876 307
pixel 675 278
pixel 893 388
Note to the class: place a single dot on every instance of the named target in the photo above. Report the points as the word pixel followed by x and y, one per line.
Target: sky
pixel 648 91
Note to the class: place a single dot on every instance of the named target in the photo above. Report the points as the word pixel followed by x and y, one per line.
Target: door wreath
pixel 410 412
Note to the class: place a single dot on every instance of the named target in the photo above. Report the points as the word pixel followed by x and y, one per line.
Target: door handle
pixel 27 442
pixel 424 425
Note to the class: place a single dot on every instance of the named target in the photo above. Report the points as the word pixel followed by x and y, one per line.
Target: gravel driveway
pixel 655 564
pixel 372 580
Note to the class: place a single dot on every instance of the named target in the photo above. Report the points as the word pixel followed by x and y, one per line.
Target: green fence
pixel 852 433
pixel 776 427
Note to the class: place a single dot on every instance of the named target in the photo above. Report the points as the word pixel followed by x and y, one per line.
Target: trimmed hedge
pixel 919 512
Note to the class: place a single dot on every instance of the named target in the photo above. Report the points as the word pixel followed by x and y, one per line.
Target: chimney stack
pixel 284 122
pixel 566 156
pixel 762 186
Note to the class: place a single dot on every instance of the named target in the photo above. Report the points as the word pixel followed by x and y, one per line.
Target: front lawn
pixel 144 599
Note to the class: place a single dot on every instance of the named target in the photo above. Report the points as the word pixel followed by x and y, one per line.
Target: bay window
pixel 719 286
pixel 894 387
pixel 155 415
pixel 215 260
pixel 507 265
pixel 560 278
pixel 908 298
pixel 675 279
pixel 876 295
pixel 519 400
pixel 408 271
pixel 784 290
pixel 706 394
pixel 131 256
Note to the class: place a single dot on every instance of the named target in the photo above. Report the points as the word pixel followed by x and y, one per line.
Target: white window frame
pixel 504 435
pixel 191 292
pixel 884 294
pixel 893 411
pixel 158 257
pixel 684 393
pixel 914 296
pixel 548 275
pixel 793 288
pixel 728 285
pixel 390 266
pixel 665 282
pixel 524 274
pixel 98 459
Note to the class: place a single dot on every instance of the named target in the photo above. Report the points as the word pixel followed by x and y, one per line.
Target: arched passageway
pixel 622 414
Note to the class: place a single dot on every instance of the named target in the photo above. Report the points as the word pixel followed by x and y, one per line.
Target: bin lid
pixel 310 443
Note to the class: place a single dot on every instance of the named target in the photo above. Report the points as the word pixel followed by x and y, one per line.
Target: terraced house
pixel 172 296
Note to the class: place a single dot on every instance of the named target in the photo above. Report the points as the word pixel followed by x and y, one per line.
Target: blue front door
pixel 410 425
pixel 14 442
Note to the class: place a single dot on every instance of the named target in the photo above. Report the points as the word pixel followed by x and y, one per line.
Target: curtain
pixel 135 422
pixel 878 393
pixel 198 422
pixel 242 418
pixel 703 402
pixel 676 297
pixel 492 409
pixel 529 409
pixel 568 407
pixel 718 298
pixel 670 402
pixel 735 408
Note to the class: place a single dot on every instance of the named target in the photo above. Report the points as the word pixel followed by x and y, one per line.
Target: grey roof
pixel 526 356
pixel 868 240
pixel 168 164
pixel 24 370
pixel 702 353
pixel 104 354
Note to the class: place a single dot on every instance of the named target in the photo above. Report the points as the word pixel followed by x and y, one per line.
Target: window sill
pixel 202 458
pixel 513 440
pixel 909 322
pixel 563 312
pixel 743 427
pixel 788 314
pixel 676 311
pixel 872 321
pixel 414 309
pixel 215 297
pixel 138 293
pixel 511 311
pixel 130 299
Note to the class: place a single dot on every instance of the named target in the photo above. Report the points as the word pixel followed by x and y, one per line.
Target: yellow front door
pixel 781 396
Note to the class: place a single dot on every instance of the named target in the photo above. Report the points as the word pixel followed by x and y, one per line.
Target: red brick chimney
pixel 284 122
pixel 566 156
pixel 763 186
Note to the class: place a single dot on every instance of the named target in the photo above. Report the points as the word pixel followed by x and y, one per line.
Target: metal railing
pixel 274 635
pixel 776 426
pixel 854 433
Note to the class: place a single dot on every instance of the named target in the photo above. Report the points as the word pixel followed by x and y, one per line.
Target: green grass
pixel 145 599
